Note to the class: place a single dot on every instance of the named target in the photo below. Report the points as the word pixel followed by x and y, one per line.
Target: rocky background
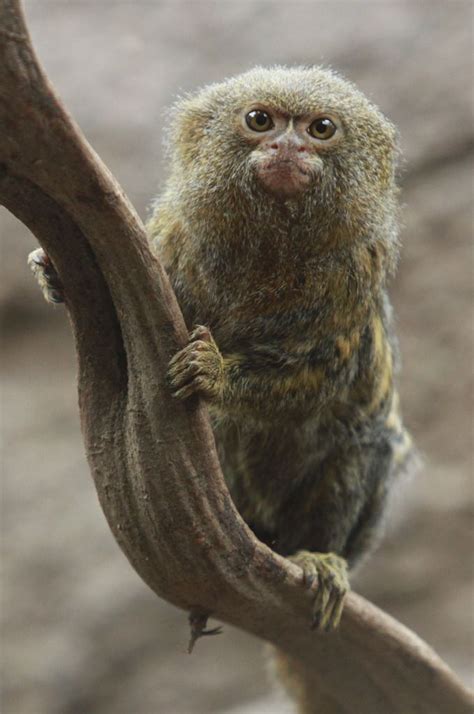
pixel 81 632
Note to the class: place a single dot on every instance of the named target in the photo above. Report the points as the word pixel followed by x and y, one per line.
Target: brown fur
pixel 298 357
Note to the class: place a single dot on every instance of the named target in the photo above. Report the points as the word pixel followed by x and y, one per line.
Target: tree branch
pixel 153 459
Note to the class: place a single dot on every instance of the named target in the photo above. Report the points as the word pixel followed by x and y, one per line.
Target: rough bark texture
pixel 153 459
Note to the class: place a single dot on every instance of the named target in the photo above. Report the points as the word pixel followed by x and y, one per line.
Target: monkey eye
pixel 322 128
pixel 258 120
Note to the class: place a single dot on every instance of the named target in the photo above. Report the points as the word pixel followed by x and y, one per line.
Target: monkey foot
pixel 198 368
pixel 329 572
pixel 47 277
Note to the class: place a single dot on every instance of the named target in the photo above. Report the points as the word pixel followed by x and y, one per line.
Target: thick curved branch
pixel 153 459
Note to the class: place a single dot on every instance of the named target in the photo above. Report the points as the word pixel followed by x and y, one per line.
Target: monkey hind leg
pixel 46 275
pixel 329 572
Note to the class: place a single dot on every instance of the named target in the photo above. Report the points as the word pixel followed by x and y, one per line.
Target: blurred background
pixel 81 633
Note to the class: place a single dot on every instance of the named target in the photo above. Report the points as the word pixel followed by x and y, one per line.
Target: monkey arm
pixel 257 379
pixel 351 379
pixel 261 385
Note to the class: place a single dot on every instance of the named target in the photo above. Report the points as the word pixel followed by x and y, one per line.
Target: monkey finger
pixel 338 608
pixel 320 604
pixel 181 357
pixel 191 350
pixel 184 392
pixel 47 277
pixel 334 614
pixel 38 260
pixel 327 622
pixel 310 578
pixel 184 370
pixel 198 384
pixel 201 332
pixel 308 564
pixel 179 375
pixel 185 389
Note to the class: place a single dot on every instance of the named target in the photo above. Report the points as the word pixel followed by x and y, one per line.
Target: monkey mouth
pixel 284 177
pixel 289 166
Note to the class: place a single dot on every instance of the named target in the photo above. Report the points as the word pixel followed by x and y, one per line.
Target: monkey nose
pixel 288 145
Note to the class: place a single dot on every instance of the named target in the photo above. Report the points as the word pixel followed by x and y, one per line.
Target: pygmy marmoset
pixel 278 229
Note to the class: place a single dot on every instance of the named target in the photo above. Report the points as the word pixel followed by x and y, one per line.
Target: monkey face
pixel 302 135
pixel 286 148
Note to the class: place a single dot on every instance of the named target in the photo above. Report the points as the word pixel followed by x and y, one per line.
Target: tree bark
pixel 153 458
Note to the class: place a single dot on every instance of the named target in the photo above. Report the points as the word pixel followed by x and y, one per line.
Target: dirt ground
pixel 81 633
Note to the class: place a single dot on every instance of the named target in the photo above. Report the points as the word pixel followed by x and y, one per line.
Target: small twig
pixel 198 623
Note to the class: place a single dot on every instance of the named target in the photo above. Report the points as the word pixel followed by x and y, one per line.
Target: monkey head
pixel 299 135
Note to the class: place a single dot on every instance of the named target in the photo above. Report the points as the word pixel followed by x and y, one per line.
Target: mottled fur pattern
pixel 294 294
pixel 291 339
